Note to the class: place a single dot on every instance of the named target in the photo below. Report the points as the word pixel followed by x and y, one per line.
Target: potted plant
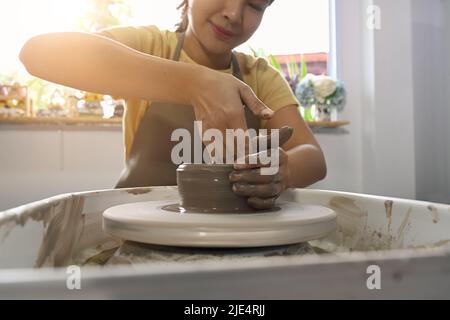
pixel 292 73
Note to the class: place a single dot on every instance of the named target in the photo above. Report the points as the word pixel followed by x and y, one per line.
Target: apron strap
pixel 236 68
pixel 180 44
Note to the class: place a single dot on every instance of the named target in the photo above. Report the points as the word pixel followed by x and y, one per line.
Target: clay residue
pixel 101 258
pixel 133 253
pixel 36 212
pixel 388 206
pixel 441 243
pixel 351 221
pixel 62 233
pixel 63 225
pixel 376 240
pixel 5 229
pixel 353 233
pixel 434 213
pixel 138 192
pixel 398 240
pixel 20 216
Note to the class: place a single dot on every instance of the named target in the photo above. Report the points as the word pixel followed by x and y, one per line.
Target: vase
pixel 325 113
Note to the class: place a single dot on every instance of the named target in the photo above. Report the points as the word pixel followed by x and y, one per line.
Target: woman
pixel 170 79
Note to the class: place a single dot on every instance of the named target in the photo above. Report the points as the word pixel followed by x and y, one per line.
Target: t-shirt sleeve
pixel 273 88
pixel 146 39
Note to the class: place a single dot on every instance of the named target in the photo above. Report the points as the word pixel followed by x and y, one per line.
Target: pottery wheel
pixel 148 222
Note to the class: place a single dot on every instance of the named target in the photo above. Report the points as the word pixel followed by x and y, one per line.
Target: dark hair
pixel 184 6
pixel 183 24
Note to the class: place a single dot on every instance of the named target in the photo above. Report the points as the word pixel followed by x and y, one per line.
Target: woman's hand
pixel 219 98
pixel 261 189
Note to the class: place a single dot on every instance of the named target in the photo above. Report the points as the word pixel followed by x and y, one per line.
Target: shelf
pixel 327 124
pixel 60 121
pixel 118 121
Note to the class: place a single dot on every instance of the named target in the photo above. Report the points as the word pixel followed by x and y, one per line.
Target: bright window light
pixel 289 26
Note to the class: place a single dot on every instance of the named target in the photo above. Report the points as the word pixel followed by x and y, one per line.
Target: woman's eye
pixel 256 7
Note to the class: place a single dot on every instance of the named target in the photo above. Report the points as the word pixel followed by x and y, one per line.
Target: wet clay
pixel 207 189
pixel 133 253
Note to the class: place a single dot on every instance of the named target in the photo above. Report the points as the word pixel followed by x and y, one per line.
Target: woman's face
pixel 222 25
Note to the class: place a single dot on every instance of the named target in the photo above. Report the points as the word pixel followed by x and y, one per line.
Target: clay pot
pixel 207 189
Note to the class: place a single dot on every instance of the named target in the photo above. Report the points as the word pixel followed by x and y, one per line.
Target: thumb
pixel 258 108
pixel 284 134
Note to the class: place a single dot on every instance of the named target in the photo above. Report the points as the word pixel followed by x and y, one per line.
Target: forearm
pixel 96 64
pixel 306 165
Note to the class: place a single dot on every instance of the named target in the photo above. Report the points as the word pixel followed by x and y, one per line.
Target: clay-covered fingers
pixel 258 190
pixel 253 160
pixel 284 134
pixel 262 203
pixel 254 176
pixel 258 160
pixel 258 108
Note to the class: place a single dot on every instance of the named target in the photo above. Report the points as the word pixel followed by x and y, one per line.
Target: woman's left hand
pixel 262 190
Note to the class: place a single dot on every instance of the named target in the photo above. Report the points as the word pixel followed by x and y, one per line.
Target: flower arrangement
pixel 325 93
pixel 321 97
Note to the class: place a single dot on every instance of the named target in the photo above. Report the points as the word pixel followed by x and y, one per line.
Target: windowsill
pixel 327 124
pixel 80 121
pixel 96 121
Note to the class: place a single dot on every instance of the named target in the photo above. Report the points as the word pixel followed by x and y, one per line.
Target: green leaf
pixel 274 62
pixel 296 68
pixel 289 69
pixel 304 68
pixel 293 68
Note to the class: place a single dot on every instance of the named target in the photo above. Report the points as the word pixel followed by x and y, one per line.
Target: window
pixel 293 28
pixel 289 29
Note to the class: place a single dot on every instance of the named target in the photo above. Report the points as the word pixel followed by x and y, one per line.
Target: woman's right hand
pixel 218 99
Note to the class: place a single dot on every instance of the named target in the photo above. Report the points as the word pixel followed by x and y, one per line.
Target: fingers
pixel 262 203
pixel 284 134
pixel 254 176
pixel 258 190
pixel 258 160
pixel 258 108
pixel 237 120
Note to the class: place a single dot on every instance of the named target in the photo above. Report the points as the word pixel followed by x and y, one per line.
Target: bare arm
pixel 306 162
pixel 98 64
pixel 301 164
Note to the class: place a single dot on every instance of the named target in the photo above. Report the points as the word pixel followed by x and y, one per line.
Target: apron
pixel 150 163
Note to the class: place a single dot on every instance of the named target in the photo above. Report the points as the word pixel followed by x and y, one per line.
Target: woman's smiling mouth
pixel 221 33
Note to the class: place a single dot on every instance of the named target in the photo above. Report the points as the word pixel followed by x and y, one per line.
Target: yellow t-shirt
pixel 267 83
